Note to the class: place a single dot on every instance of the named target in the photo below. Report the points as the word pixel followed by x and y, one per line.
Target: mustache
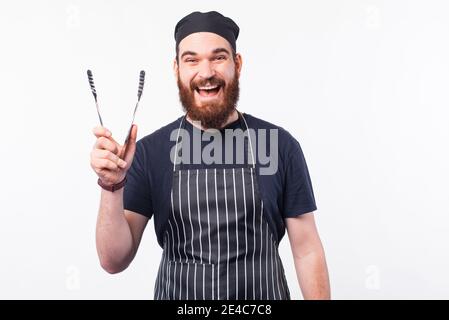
pixel 213 81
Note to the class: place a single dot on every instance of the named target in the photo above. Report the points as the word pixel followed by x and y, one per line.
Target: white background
pixel 363 85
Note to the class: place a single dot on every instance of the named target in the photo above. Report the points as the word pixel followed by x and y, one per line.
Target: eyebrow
pixel 220 50
pixel 215 51
pixel 188 53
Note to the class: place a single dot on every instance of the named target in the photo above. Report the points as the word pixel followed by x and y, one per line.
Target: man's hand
pixel 107 157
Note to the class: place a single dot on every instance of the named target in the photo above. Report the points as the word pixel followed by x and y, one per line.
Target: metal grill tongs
pixel 139 95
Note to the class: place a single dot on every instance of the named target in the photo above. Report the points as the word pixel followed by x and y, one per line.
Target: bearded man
pixel 219 214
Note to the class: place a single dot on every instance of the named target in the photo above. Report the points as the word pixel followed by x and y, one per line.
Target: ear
pixel 238 62
pixel 175 69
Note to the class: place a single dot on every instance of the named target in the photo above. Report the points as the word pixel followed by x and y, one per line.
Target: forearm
pixel 115 245
pixel 313 278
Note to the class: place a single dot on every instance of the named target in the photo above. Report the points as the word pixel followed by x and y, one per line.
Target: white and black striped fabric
pixel 218 245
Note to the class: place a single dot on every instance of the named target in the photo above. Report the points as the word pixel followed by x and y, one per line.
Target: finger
pixel 100 131
pixel 106 154
pixel 106 144
pixel 100 164
pixel 133 136
pixel 131 147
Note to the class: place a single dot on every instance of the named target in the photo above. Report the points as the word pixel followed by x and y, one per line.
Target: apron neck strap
pixel 243 124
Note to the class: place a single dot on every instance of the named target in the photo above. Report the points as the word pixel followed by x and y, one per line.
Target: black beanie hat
pixel 207 22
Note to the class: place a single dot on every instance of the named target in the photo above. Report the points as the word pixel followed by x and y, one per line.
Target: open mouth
pixel 208 91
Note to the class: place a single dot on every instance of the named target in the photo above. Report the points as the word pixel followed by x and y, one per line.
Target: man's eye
pixel 220 58
pixel 190 60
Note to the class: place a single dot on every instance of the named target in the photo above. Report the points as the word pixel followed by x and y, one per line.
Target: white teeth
pixel 207 88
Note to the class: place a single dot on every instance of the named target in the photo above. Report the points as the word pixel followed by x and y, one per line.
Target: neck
pixel 232 117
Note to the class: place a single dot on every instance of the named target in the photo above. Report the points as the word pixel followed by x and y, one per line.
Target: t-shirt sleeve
pixel 137 193
pixel 298 192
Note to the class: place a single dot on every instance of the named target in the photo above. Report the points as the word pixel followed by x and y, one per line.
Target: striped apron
pixel 217 243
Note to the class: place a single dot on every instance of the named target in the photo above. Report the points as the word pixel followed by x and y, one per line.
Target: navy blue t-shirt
pixel 286 191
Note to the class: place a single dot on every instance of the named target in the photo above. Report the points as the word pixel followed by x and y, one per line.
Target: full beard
pixel 213 114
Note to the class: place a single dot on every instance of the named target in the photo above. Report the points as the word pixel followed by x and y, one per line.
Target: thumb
pixel 130 148
pixel 134 134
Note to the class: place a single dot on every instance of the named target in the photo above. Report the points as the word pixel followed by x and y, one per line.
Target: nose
pixel 206 70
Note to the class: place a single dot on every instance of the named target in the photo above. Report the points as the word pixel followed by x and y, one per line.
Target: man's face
pixel 207 76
